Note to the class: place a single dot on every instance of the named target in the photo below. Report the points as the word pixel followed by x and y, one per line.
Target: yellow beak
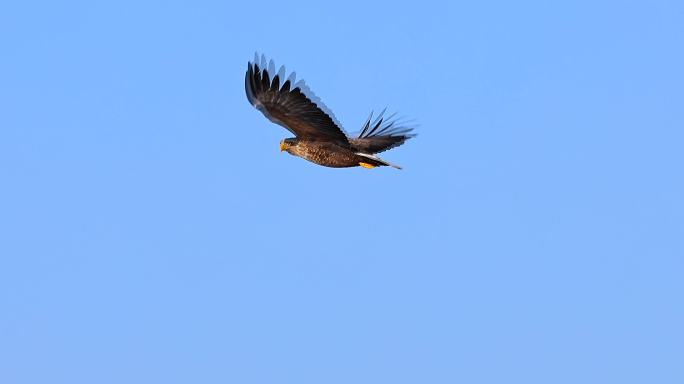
pixel 282 146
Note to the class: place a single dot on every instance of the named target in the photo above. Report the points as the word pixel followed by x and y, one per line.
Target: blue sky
pixel 151 231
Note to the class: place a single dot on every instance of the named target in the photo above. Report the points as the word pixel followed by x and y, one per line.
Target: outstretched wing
pixel 289 105
pixel 382 134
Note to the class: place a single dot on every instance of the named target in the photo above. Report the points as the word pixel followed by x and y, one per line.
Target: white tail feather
pixel 373 157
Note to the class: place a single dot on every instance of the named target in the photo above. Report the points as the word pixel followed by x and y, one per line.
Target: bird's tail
pixel 375 161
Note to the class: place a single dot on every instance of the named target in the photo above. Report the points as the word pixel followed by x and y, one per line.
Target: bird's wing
pixel 290 105
pixel 382 134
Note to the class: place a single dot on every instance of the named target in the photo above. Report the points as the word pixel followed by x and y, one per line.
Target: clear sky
pixel 151 231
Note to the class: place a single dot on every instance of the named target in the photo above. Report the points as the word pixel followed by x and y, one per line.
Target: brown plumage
pixel 319 138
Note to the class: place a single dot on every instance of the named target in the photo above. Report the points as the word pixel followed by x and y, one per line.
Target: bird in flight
pixel 319 137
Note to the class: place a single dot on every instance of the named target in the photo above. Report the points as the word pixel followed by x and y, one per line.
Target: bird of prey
pixel 319 137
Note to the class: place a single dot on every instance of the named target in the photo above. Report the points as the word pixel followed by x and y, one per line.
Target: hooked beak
pixel 282 145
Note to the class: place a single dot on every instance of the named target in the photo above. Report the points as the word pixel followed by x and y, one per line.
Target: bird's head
pixel 286 144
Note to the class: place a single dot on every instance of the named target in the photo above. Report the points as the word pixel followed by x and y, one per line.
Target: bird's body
pixel 328 153
pixel 319 138
pixel 324 153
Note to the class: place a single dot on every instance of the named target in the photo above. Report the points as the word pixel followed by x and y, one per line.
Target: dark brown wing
pixel 290 108
pixel 380 135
